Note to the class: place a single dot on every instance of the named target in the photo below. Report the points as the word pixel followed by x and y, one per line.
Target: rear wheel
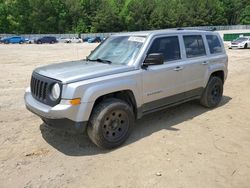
pixel 245 47
pixel 213 92
pixel 110 123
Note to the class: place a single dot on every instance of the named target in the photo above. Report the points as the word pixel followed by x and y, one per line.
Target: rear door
pixel 195 64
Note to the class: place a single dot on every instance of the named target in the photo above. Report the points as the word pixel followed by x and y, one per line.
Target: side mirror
pixel 154 59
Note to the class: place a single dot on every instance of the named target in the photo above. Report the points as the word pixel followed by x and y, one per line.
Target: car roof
pixel 164 32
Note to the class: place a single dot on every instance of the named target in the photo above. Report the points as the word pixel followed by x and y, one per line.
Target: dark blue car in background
pixel 95 39
pixel 47 39
pixel 13 40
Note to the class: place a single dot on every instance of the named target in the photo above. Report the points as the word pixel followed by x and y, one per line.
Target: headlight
pixel 55 91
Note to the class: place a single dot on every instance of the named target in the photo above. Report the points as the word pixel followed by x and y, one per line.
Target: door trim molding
pixel 171 101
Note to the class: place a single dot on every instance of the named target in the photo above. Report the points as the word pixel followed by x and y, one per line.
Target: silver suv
pixel 126 77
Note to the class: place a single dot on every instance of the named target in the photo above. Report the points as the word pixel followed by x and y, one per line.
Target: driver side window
pixel 168 46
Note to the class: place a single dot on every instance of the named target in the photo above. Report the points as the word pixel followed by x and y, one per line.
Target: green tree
pixel 4 22
pixel 245 16
pixel 107 18
pixel 80 16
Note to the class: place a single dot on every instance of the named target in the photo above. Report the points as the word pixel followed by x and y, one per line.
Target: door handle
pixel 205 62
pixel 178 68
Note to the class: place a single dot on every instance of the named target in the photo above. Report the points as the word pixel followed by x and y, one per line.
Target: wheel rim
pixel 216 93
pixel 115 125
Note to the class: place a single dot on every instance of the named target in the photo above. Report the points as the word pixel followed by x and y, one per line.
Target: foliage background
pixel 84 16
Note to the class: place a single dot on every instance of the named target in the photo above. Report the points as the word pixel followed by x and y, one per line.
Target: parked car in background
pixel 13 40
pixel 47 39
pixel 85 39
pixel 75 40
pixel 30 41
pixel 70 40
pixel 241 42
pixel 95 39
pixel 62 39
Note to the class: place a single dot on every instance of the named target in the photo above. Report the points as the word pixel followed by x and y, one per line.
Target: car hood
pixel 235 42
pixel 68 72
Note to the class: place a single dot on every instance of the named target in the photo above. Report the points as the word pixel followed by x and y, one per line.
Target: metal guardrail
pixel 84 35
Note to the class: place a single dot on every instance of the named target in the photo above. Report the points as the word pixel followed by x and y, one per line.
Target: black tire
pixel 110 123
pixel 245 47
pixel 213 92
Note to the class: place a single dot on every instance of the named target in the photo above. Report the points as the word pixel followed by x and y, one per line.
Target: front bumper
pixel 236 46
pixel 59 115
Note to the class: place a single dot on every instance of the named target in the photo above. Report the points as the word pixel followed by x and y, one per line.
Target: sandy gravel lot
pixel 185 146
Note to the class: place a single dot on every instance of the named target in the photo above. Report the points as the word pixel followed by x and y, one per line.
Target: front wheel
pixel 110 123
pixel 245 47
pixel 213 92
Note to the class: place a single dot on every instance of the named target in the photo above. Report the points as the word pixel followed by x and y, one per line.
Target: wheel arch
pixel 124 95
pixel 218 73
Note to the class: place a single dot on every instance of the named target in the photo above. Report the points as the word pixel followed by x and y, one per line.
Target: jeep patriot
pixel 126 77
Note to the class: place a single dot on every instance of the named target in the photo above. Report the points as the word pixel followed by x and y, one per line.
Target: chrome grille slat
pixel 44 90
pixel 40 90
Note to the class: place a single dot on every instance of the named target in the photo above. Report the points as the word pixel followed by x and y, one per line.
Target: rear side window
pixel 169 46
pixel 194 46
pixel 214 44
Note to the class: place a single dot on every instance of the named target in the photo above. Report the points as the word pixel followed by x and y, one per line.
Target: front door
pixel 160 82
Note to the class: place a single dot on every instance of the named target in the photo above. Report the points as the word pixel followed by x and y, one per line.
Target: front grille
pixel 40 89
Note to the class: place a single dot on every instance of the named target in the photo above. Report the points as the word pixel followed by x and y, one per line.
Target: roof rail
pixel 212 29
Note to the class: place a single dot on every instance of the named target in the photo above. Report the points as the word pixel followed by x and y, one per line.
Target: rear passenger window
pixel 194 46
pixel 214 44
pixel 169 46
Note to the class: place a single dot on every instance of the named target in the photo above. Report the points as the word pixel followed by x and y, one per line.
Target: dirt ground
pixel 185 146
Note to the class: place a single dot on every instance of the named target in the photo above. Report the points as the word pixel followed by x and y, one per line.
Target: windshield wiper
pixel 100 60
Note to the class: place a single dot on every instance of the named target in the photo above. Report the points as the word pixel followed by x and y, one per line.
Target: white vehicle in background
pixel 76 40
pixel 241 42
pixel 70 40
pixel 62 40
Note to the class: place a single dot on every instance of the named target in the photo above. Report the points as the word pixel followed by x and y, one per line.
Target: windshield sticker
pixel 137 39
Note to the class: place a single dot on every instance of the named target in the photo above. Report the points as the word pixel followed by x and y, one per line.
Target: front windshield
pixel 118 49
pixel 242 39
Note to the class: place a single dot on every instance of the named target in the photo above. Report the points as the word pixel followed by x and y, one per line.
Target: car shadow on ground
pixel 73 144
